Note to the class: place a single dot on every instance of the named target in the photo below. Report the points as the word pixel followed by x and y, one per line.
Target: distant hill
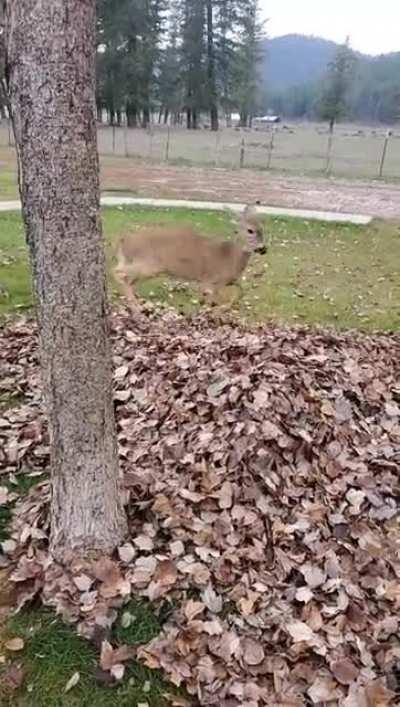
pixel 295 59
pixel 294 65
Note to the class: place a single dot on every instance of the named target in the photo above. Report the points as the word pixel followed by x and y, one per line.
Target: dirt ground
pixel 374 198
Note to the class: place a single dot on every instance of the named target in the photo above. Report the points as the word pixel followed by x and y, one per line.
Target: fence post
pixel 242 152
pixel 150 143
pixel 271 147
pixel 329 153
pixel 126 147
pixel 384 152
pixel 167 145
pixel 217 147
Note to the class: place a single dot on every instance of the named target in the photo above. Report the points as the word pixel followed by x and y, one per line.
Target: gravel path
pixel 377 199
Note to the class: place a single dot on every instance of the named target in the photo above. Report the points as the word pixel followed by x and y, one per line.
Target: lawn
pixel 53 653
pixel 316 273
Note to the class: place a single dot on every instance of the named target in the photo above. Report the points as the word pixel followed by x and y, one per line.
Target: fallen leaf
pixel 313 575
pixel 212 600
pixel 12 676
pixel 253 652
pixel 15 644
pixel 118 671
pixel 127 553
pixel 345 671
pixel 83 582
pixel 72 682
pixel 299 631
pixel 143 542
pixel 323 689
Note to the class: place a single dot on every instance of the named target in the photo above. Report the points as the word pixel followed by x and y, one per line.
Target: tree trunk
pixel 131 115
pixel 51 65
pixel 119 117
pixel 243 119
pixel 166 116
pixel 212 90
pixel 188 119
pixel 146 117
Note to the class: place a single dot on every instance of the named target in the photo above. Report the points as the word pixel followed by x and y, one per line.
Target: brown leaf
pixel 4 495
pixel 83 582
pixel 225 495
pixel 127 553
pixel 111 657
pixel 270 430
pixel 253 652
pixel 299 631
pixel 323 690
pixel 193 609
pixel 12 677
pixel 143 542
pixel 15 644
pixel 212 600
pixel 313 575
pixel 345 671
pixel 378 695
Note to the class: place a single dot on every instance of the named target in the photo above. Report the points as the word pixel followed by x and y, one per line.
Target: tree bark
pixel 51 67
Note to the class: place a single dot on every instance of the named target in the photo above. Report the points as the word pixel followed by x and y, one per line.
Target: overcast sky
pixel 373 25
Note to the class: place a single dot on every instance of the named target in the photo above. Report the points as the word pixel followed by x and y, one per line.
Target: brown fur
pixel 183 254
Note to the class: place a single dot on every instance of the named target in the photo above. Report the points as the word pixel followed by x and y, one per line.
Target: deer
pixel 185 255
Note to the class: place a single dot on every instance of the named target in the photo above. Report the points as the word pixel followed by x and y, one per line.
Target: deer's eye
pixel 250 230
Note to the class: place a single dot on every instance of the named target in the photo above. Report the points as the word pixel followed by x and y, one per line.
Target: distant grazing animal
pixel 185 255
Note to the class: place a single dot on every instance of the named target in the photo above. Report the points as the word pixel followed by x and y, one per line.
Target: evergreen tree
pixel 247 60
pixel 333 104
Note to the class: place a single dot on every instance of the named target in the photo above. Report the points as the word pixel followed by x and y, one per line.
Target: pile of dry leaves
pixel 261 472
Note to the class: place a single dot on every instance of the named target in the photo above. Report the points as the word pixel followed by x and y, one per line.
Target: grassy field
pixel 294 148
pixel 316 273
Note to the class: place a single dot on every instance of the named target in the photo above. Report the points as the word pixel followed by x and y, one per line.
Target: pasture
pixel 298 148
pixel 314 273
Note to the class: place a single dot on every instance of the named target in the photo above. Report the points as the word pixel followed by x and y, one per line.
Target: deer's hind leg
pixel 126 286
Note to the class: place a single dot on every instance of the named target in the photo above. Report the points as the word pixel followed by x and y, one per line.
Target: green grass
pixel 53 652
pixel 317 273
pixel 8 184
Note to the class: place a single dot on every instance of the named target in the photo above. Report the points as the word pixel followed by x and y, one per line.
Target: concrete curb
pixel 329 216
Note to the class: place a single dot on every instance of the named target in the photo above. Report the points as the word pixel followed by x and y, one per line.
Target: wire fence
pixel 306 149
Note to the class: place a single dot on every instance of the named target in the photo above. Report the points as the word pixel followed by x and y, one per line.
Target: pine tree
pixel 333 103
pixel 247 60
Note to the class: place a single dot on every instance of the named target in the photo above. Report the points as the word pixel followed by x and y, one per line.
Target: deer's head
pixel 253 231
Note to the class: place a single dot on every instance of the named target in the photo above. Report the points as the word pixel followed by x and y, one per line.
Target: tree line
pixel 178 58
pixel 367 90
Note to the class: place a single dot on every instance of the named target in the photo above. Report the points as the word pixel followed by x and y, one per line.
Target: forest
pixel 180 59
pixel 173 61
